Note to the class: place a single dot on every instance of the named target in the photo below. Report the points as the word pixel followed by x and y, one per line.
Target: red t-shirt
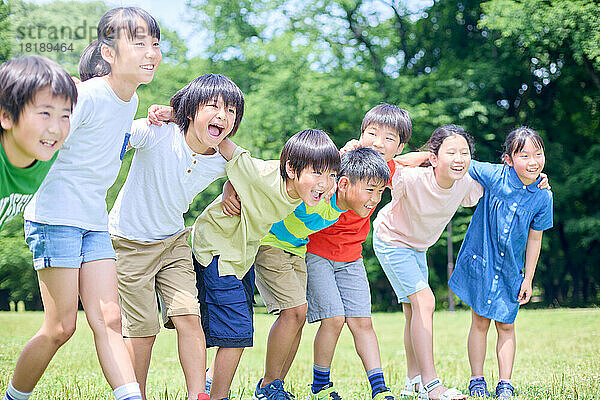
pixel 343 240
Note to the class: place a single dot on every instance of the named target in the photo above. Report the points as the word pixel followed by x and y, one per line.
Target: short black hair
pixel 515 141
pixel 200 91
pixel 309 148
pixel 364 164
pixel 22 78
pixel 391 116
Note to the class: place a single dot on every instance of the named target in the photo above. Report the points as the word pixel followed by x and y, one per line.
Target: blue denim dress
pixel 489 268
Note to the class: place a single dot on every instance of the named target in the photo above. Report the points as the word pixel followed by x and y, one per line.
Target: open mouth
pixel 48 143
pixel 532 170
pixel 316 195
pixel 215 130
pixel 457 168
pixel 147 67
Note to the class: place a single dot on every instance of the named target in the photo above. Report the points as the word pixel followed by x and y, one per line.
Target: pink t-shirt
pixel 420 209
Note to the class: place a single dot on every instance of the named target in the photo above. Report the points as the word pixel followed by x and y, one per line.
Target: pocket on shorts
pixel 230 291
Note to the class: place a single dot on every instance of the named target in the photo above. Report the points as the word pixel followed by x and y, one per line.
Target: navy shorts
pixel 225 306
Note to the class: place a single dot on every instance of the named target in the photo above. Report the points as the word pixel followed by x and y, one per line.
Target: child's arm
pixel 544 183
pixel 230 202
pixel 532 252
pixel 158 113
pixel 412 159
pixel 227 148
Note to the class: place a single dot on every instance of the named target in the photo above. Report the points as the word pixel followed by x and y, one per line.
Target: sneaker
pixel 504 391
pixel 273 391
pixel 207 385
pixel 478 388
pixel 384 395
pixel 326 392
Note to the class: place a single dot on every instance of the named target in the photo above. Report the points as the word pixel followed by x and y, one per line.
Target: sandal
pixel 450 394
pixel 410 386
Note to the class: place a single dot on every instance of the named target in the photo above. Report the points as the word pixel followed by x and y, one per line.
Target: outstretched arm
pixel 412 159
pixel 158 114
pixel 532 253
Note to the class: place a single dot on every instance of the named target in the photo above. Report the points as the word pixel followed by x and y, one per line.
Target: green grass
pixel 558 357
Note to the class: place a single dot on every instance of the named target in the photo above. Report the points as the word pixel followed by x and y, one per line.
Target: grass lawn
pixel 558 357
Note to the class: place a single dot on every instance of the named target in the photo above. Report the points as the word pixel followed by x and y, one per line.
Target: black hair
pixel 111 25
pixel 91 63
pixel 22 78
pixel 391 116
pixel 309 148
pixel 440 134
pixel 515 141
pixel 364 164
pixel 202 90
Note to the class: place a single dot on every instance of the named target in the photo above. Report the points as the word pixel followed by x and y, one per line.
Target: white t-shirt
pixel 165 176
pixel 74 191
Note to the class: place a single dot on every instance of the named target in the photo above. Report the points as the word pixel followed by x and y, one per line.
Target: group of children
pixel 294 226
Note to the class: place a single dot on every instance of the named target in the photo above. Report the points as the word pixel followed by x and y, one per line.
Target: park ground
pixel 558 357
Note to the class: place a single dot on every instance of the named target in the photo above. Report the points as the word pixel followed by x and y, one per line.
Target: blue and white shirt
pixel 489 267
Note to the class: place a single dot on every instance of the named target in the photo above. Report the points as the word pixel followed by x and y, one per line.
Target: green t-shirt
pixel 17 185
pixel 236 239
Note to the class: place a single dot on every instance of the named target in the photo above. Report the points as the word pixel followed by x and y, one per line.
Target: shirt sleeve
pixel 474 194
pixel 142 134
pixel 483 172
pixel 544 218
pixel 83 111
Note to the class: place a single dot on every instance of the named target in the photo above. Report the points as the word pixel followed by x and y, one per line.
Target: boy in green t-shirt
pixel 36 99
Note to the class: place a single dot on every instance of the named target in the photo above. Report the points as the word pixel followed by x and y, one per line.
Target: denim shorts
pixel 225 306
pixel 63 246
pixel 406 268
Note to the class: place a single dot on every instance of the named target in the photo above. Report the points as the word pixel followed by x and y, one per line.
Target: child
pixel 66 222
pixel 171 165
pixel 497 259
pixel 36 100
pixel 224 247
pixel 280 268
pixel 338 289
pixel 423 202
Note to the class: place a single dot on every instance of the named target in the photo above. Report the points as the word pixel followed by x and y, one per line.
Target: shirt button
pixel 193 154
pixel 474 257
pixel 194 161
pixel 505 230
pixel 489 302
pixel 524 186
pixel 501 254
pixel 189 170
pixel 496 277
pixel 514 204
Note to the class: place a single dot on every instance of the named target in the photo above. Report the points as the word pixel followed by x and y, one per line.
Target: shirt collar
pixel 515 181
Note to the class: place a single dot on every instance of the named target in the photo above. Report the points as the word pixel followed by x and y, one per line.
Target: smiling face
pixel 42 128
pixel 309 185
pixel 361 196
pixel 527 162
pixel 452 161
pixel 212 123
pixel 137 58
pixel 383 139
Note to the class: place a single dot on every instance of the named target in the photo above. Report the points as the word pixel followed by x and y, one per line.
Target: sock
pixel 376 380
pixel 14 394
pixel 476 377
pixel 320 377
pixel 128 391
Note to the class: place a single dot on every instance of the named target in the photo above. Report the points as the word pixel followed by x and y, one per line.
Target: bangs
pixel 389 116
pixel 366 165
pixel 310 148
pixel 128 20
pixel 516 140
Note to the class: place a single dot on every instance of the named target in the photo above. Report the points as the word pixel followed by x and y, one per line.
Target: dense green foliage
pixel 489 66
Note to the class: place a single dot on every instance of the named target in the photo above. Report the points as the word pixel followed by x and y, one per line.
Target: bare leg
pixel 280 344
pixel 412 366
pixel 98 292
pixel 326 340
pixel 365 342
pixel 477 342
pixel 225 365
pixel 505 349
pixel 59 290
pixel 140 351
pixel 192 352
pixel 291 355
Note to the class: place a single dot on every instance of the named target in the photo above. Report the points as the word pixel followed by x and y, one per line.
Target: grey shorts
pixel 336 288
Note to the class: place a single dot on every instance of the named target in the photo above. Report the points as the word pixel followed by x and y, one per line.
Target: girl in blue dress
pixel 498 257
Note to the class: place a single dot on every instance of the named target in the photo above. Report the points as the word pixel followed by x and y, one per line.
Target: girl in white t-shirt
pixel 66 224
pixel 423 202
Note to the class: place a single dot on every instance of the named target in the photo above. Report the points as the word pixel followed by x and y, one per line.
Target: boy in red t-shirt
pixel 338 290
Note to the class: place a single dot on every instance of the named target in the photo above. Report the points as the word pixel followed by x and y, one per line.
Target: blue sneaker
pixel 273 391
pixel 478 388
pixel 504 391
pixel 207 385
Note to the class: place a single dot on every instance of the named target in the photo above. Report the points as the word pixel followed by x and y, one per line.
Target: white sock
pixel 14 394
pixel 129 391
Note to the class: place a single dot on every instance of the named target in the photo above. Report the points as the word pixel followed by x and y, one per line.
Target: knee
pixel 186 323
pixel 505 329
pixel 334 323
pixel 423 302
pixel 360 324
pixel 480 324
pixel 61 332
pixel 109 318
pixel 296 315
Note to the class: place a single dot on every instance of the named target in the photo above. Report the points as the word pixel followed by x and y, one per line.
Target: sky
pixel 172 13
